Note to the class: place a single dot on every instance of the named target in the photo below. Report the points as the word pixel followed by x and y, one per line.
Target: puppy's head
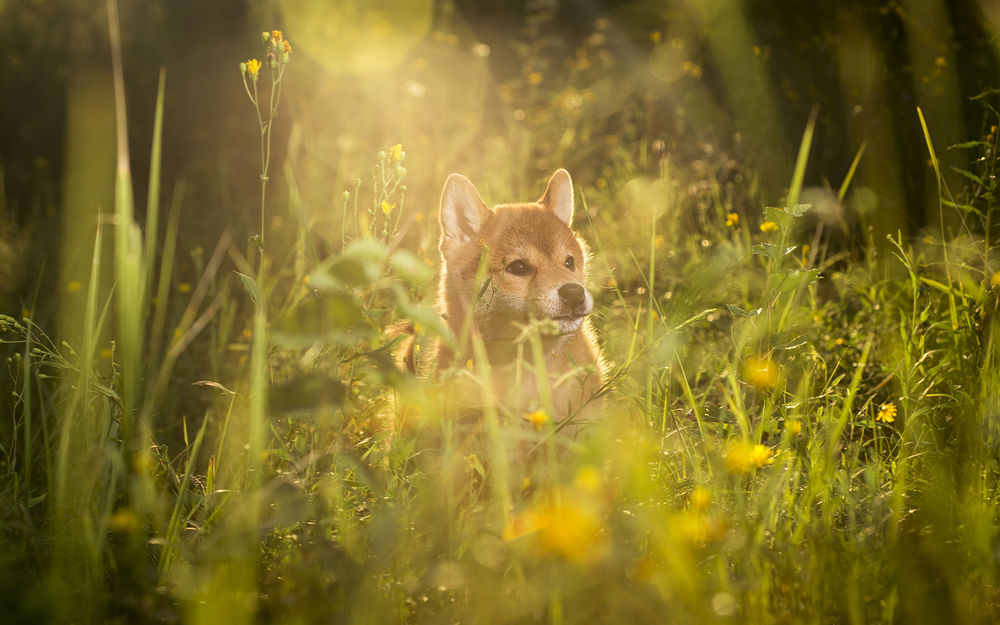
pixel 535 265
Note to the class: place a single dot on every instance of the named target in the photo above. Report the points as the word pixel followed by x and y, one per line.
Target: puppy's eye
pixel 517 268
pixel 570 263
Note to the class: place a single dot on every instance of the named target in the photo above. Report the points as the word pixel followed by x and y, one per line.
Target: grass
pixel 791 434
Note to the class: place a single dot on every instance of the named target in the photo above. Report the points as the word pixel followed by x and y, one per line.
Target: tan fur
pixel 528 265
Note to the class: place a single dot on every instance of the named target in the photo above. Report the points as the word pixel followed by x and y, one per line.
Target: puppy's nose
pixel 572 295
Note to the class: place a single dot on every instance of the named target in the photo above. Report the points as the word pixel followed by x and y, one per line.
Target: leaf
pixel 770 250
pixel 411 268
pixel 215 385
pixel 251 287
pixel 359 265
pixel 968 144
pixel 306 394
pixel 696 318
pixel 792 279
pixel 425 316
pixel 739 312
pixel 779 216
pixel 800 209
pixel 335 318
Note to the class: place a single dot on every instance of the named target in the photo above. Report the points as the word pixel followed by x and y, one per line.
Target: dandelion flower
pixel 571 531
pixel 396 153
pixel 732 219
pixel 761 456
pixel 886 413
pixel 768 226
pixel 761 372
pixel 744 457
pixel 537 419
pixel 700 498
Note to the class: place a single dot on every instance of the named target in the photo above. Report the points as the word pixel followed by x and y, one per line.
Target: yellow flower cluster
pixel 744 457
pixel 732 219
pixel 567 523
pixel 768 226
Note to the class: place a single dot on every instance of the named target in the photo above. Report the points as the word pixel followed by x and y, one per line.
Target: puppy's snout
pixel 572 295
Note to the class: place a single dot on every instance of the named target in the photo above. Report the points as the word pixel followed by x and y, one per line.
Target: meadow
pixel 801 422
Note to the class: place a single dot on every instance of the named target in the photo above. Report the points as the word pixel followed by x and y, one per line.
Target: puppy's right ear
pixel 463 212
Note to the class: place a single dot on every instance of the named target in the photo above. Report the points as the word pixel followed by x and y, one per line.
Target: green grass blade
pixel 850 172
pixel 153 196
pixel 803 158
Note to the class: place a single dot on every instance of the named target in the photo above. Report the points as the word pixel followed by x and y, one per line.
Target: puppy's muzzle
pixel 572 296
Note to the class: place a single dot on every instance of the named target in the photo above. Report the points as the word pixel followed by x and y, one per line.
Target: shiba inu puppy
pixel 513 265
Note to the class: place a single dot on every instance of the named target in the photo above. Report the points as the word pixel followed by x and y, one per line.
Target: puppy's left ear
pixel 558 196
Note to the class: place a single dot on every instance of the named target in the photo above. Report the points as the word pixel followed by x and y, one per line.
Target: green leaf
pixel 360 264
pixel 411 268
pixel 792 279
pixel 968 144
pixel 336 318
pixel 779 216
pixel 739 312
pixel 770 250
pixel 800 209
pixel 251 286
pixel 305 394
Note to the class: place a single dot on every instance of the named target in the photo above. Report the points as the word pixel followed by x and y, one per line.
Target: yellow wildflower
pixel 276 36
pixel 253 68
pixel 571 531
pixel 761 455
pixel 520 525
pixel 184 287
pixel 535 78
pixel 396 153
pixel 761 372
pixel 123 520
pixel 387 208
pixel 537 419
pixel 732 219
pixel 588 478
pixel 995 280
pixel 768 226
pixel 700 498
pixel 886 413
pixel 743 457
pixel 794 426
pixel 286 48
pixel 73 286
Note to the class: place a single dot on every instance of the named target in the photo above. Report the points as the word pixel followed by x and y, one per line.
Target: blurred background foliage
pixel 711 89
pixel 674 118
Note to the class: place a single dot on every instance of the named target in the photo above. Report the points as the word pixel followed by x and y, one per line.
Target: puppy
pixel 511 271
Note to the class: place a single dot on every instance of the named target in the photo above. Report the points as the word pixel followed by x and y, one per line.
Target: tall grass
pixel 789 435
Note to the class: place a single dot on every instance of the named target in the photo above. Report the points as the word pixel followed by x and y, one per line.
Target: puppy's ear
pixel 558 196
pixel 463 211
